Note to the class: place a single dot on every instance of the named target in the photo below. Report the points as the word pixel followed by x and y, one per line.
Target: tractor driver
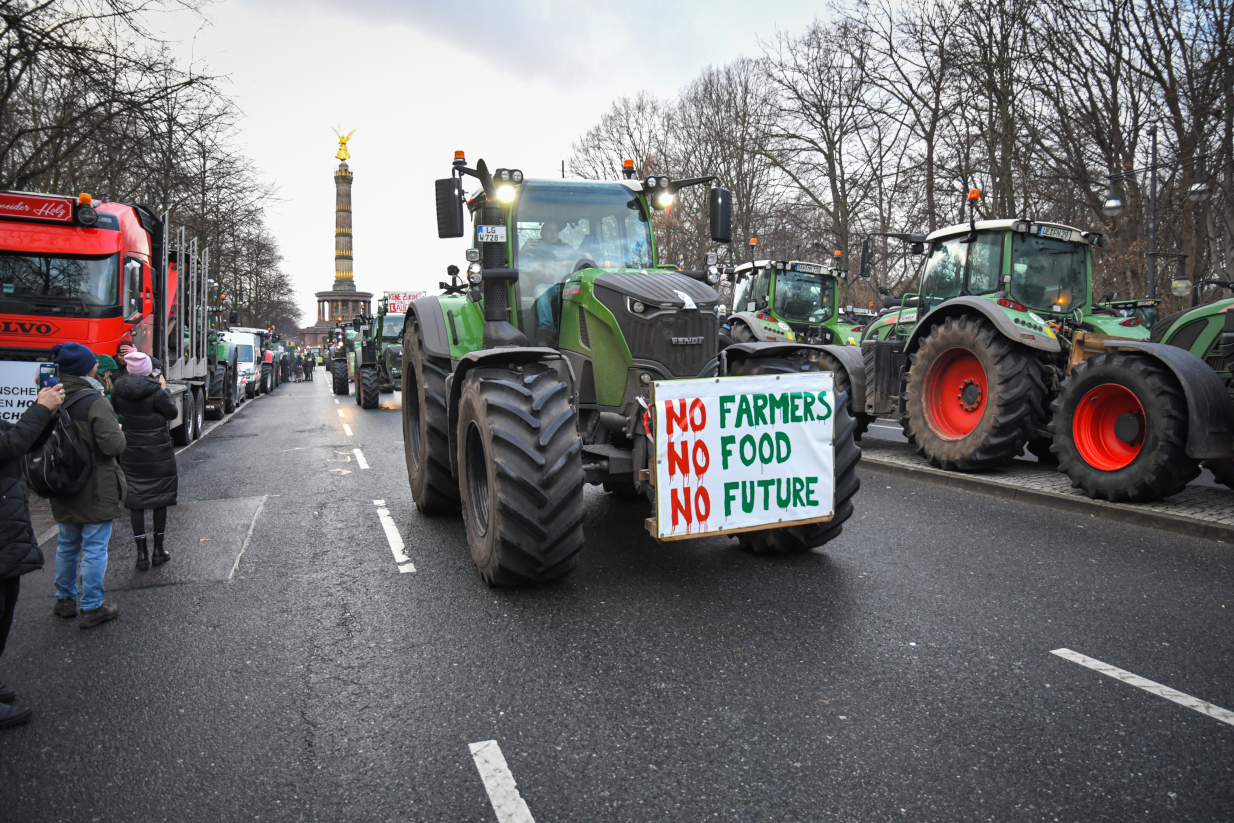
pixel 543 252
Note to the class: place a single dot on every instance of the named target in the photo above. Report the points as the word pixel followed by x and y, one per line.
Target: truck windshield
pixel 87 282
pixel 244 353
pixel 1047 274
pixel 563 226
pixel 392 327
pixel 802 297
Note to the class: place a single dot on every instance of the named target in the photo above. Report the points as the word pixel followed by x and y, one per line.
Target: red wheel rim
pixel 955 396
pixel 1095 421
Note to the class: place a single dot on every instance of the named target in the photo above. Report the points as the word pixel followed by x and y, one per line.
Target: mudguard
pixel 1210 411
pixel 849 356
pixel 497 357
pixel 432 325
pixel 968 304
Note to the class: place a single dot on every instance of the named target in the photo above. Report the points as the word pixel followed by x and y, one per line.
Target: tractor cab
pixel 783 300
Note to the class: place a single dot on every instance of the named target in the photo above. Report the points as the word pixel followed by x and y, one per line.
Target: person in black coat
pixel 19 550
pixel 149 460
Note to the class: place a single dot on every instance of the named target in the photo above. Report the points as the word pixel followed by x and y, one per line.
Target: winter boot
pixel 143 553
pixel 65 607
pixel 160 555
pixel 89 618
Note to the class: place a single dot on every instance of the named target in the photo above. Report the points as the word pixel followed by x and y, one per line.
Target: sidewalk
pixel 1195 511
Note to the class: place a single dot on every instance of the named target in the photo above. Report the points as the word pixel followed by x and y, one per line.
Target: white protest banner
pixel 397 302
pixel 19 387
pixel 740 453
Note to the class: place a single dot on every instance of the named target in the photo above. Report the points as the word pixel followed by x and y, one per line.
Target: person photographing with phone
pixel 149 460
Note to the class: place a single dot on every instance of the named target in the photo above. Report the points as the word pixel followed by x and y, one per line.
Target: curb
pixel 1116 512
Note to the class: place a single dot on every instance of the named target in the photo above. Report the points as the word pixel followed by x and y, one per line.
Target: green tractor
pixel 776 300
pixel 852 322
pixel 535 373
pixel 339 358
pixel 1135 420
pixel 222 391
pixel 378 355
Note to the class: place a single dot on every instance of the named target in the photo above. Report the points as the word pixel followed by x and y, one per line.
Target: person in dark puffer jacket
pixel 19 551
pixel 149 459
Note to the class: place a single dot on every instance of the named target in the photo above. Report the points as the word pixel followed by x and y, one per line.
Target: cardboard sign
pixel 19 387
pixel 397 302
pixel 36 207
pixel 742 453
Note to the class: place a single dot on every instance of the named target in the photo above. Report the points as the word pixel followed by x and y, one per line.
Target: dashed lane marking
pixel 499 783
pixel 405 566
pixel 360 458
pixel 336 401
pixel 347 429
pixel 340 412
pixel 1201 706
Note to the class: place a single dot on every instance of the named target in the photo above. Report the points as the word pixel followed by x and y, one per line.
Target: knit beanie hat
pixel 106 364
pixel 137 363
pixel 73 358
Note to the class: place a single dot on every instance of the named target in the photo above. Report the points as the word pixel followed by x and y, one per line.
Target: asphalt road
pixel 903 672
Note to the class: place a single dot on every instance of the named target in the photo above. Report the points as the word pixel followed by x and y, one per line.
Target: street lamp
pixel 1198 192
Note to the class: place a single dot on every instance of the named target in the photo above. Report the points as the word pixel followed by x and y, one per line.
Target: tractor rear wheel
pixel 338 372
pixel 217 388
pixel 366 387
pixel 426 428
pixel 843 384
pixel 741 333
pixel 520 469
pixel 1223 471
pixel 1120 429
pixel 973 398
pixel 800 539
pixel 229 392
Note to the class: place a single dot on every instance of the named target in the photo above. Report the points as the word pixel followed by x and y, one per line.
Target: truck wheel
pixel 843 384
pixel 1223 471
pixel 367 389
pixel 229 393
pixel 973 397
pixel 199 413
pixel 799 539
pixel 250 388
pixel 182 435
pixel 1120 429
pixel 338 373
pixel 426 427
pixel 520 468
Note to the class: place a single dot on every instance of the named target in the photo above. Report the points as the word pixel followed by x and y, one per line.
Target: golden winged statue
pixel 343 154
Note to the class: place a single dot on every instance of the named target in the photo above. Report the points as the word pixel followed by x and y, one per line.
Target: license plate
pixel 1055 233
pixel 491 234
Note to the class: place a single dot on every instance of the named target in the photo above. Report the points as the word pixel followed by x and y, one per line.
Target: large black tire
pixel 741 333
pixel 217 388
pixel 1223 471
pixel 367 388
pixel 845 386
pixel 199 413
pixel 1009 408
pixel 520 469
pixel 230 400
pixel 250 388
pixel 267 378
pixel 426 428
pixel 799 539
pixel 338 373
pixel 182 435
pixel 1091 449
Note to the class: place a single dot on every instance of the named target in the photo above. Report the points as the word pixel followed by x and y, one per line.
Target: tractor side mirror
pixel 720 213
pixel 917 248
pixel 864 269
pixel 449 208
pixel 234 317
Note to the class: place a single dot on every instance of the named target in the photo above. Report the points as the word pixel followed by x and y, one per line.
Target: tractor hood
pixel 659 289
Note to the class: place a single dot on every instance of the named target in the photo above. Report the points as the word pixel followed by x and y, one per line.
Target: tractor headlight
pixel 475 273
pixel 516 176
pixel 637 307
pixel 713 276
pixel 505 193
pixel 665 199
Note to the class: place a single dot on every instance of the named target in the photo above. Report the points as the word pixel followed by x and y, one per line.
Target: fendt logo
pixel 23 327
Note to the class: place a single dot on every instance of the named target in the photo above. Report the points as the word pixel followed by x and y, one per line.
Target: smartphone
pixel 155 372
pixel 49 375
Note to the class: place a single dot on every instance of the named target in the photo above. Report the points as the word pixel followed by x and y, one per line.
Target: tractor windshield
pixel 802 297
pixel 81 283
pixel 392 327
pixel 564 226
pixel 1047 274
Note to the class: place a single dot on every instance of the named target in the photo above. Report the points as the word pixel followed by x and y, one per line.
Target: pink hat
pixel 137 363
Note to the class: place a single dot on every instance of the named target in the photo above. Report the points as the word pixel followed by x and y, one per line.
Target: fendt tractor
pixel 999 340
pixel 378 355
pixel 784 300
pixel 223 392
pixel 340 356
pixel 101 275
pixel 541 372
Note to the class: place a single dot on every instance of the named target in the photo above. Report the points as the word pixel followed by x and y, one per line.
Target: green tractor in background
pixel 784 300
pixel 974 363
pixel 338 358
pixel 222 393
pixel 378 355
pixel 530 377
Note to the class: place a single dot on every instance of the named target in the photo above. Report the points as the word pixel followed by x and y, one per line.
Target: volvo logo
pixel 687 341
pixel 19 327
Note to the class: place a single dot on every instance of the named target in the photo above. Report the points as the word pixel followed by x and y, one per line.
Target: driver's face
pixel 550 232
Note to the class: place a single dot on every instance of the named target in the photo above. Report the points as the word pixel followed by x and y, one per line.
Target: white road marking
pixel 360 458
pixel 1215 712
pixel 347 429
pixel 336 401
pixel 405 566
pixel 340 412
pixel 499 783
pixel 244 546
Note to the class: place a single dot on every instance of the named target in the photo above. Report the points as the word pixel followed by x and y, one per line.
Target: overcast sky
pixel 512 82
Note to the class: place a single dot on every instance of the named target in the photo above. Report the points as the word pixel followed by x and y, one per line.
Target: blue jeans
pixel 89 542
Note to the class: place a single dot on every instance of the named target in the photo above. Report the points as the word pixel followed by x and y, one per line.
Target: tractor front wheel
pixel 520 472
pixel 800 539
pixel 974 397
pixel 426 428
pixel 367 387
pixel 843 384
pixel 1120 429
pixel 338 373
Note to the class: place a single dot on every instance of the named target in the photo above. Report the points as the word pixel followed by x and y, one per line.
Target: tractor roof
pixel 815 268
pixel 1077 235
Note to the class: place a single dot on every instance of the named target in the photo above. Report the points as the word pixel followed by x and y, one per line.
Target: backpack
pixel 59 465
